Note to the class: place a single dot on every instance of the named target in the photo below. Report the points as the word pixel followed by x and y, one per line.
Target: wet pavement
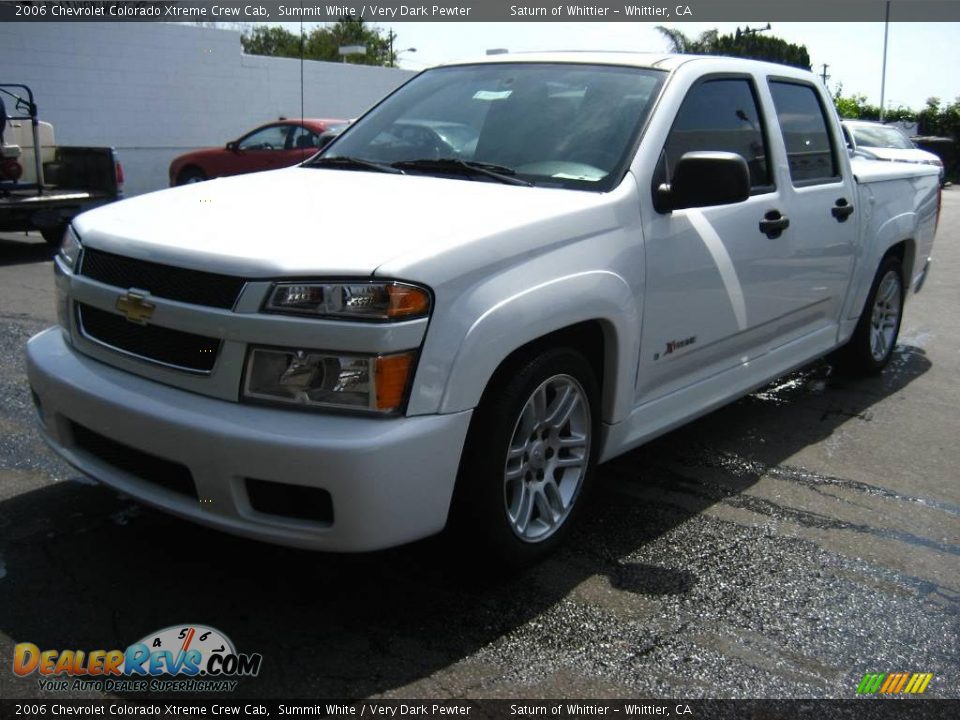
pixel 782 546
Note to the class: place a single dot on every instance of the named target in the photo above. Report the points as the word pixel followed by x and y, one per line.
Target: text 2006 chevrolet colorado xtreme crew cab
pixel 504 273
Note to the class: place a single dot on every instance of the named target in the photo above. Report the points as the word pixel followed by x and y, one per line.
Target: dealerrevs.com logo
pixel 179 658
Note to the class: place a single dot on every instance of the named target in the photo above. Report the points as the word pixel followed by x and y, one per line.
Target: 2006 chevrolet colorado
pixel 505 272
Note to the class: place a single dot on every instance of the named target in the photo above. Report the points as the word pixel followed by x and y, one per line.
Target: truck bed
pixel 78 179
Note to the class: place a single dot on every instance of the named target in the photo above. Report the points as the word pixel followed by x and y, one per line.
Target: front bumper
pixel 390 479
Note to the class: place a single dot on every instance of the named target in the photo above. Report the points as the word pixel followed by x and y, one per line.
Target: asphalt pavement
pixel 780 547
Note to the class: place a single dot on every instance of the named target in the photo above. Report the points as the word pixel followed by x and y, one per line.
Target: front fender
pixel 538 310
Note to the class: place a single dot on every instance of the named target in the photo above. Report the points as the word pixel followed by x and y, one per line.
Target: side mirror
pixel 703 179
pixel 232 146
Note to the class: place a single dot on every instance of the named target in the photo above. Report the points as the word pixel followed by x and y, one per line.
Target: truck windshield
pixel 550 125
pixel 878 136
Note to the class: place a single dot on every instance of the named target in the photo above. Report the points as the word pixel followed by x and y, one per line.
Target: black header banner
pixel 479 11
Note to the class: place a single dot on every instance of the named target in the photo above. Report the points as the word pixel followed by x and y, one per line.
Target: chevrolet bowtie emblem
pixel 135 307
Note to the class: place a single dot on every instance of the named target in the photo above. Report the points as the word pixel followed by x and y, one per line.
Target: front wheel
pixel 875 337
pixel 528 458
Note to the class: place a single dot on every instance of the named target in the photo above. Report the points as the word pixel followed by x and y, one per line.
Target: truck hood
pixel 303 221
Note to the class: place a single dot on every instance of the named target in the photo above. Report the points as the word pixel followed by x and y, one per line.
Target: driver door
pixel 263 149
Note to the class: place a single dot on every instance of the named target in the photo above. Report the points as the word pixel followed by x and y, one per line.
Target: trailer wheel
pixel 54 236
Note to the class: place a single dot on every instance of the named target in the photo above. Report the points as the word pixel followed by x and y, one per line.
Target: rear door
pixel 820 201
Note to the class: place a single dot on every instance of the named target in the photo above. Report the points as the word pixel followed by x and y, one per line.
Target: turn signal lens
pixel 407 301
pixel 362 301
pixel 393 376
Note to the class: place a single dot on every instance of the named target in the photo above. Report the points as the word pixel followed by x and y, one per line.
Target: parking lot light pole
pixel 883 73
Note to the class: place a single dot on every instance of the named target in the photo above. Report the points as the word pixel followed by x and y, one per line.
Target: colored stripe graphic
pixel 894 683
pixel 870 683
pixel 901 683
pixel 889 683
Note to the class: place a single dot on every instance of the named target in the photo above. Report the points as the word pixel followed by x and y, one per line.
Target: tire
pixel 523 475
pixel 191 174
pixel 54 236
pixel 875 337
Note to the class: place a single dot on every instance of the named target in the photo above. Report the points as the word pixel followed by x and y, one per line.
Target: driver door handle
pixel 773 224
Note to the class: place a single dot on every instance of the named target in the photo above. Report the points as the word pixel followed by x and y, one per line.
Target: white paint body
pixel 507 265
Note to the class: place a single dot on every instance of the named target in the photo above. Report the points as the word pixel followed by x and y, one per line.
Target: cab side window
pixel 268 138
pixel 303 139
pixel 810 153
pixel 721 115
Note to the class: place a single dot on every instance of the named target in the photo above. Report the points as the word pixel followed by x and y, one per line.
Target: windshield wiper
pixel 351 163
pixel 499 173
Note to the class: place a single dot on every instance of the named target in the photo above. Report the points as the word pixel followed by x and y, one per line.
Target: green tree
pixel 681 43
pixel 321 43
pixel 740 44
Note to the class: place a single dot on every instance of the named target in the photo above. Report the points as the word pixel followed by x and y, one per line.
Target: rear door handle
pixel 773 224
pixel 842 210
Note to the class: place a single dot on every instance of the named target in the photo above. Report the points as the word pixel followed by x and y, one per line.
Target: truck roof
pixel 659 61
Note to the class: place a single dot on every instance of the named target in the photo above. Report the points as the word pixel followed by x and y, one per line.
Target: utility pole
pixel 824 75
pixel 883 75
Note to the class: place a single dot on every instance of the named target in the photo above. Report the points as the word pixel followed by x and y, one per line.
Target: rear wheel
pixel 191 175
pixel 875 337
pixel 528 458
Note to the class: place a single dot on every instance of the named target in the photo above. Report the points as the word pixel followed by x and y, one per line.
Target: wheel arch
pixel 906 250
pixel 188 167
pixel 593 312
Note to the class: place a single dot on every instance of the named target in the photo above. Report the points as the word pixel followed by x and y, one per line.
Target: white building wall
pixel 156 90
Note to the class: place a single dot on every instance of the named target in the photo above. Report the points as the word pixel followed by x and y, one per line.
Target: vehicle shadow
pixel 88 569
pixel 24 251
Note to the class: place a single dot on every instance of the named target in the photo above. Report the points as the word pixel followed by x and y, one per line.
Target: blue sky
pixel 923 58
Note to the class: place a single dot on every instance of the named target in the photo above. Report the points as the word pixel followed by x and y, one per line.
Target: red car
pixel 271 146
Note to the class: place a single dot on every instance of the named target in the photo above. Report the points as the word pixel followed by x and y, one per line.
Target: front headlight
pixel 70 248
pixel 311 378
pixel 350 300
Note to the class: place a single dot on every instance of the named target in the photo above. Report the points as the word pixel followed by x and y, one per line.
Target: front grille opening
pixel 179 349
pixel 165 473
pixel 291 501
pixel 190 286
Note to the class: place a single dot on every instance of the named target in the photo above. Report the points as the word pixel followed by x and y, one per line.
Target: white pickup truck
pixel 504 273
